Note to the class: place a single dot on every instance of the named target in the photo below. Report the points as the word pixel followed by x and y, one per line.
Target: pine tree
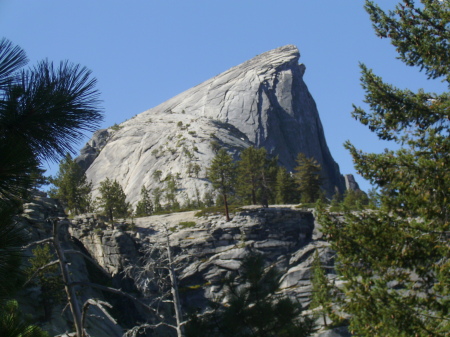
pixel 355 199
pixel 48 279
pixel 337 198
pixel 307 176
pixel 254 309
pixel 113 199
pixel 157 195
pixel 286 187
pixel 14 324
pixel 395 261
pixel 144 207
pixel 250 169
pixel 43 112
pixel 222 174
pixel 171 192
pixel 72 187
pixel 321 297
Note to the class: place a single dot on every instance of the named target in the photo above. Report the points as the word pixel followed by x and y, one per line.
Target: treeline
pixel 255 178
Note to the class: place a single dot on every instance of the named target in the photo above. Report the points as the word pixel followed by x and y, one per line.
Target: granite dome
pixel 262 102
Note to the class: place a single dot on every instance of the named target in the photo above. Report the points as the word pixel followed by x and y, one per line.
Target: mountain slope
pixel 263 102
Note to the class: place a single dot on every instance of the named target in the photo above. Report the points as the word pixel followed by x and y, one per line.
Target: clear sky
pixel 144 52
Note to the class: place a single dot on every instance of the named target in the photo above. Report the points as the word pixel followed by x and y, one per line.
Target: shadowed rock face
pixel 263 102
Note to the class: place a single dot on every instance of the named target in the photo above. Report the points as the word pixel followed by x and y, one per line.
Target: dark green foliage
pixel 222 174
pixel 113 199
pixel 48 279
pixel 196 168
pixel 12 238
pixel 286 190
pixel 171 193
pixel 355 199
pixel 374 198
pixel 157 175
pixel 157 194
pixel 14 324
pixel 144 207
pixel 42 111
pixel 336 200
pixel 307 176
pixel 403 244
pixel 253 308
pixel 208 199
pixel 321 296
pixel 250 177
pixel 72 187
pixel 187 224
pixel 215 146
pixel 38 178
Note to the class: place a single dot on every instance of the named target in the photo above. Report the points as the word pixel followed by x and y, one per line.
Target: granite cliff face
pixel 207 251
pixel 263 102
pixel 211 250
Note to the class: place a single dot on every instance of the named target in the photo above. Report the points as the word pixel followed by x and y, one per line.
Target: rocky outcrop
pixel 92 148
pixel 209 250
pixel 263 102
pixel 34 220
pixel 350 182
pixel 113 249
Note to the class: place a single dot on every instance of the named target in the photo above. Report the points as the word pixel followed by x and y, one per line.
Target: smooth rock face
pixel 350 182
pixel 263 102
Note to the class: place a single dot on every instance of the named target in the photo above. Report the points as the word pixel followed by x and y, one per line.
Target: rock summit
pixel 263 102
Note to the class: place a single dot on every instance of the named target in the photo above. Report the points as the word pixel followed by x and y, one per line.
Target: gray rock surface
pixel 92 148
pixel 212 250
pixel 34 221
pixel 263 102
pixel 207 252
pixel 350 182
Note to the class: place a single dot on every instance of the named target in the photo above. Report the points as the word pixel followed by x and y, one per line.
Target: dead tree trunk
pixel 174 290
pixel 68 287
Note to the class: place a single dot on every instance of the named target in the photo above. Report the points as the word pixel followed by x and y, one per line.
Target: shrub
pixel 187 224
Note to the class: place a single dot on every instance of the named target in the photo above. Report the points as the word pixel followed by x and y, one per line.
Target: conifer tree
pixel 72 187
pixel 157 195
pixel 307 176
pixel 285 187
pixel 355 199
pixel 171 192
pixel 222 174
pixel 337 198
pixel 113 199
pixel 48 279
pixel 321 297
pixel 43 112
pixel 144 207
pixel 395 261
pixel 250 168
pixel 254 309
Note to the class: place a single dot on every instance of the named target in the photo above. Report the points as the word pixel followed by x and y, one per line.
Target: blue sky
pixel 144 52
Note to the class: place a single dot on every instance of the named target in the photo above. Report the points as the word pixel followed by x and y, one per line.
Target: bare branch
pixel 37 243
pixel 114 291
pixel 40 269
pixel 134 331
pixel 99 304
